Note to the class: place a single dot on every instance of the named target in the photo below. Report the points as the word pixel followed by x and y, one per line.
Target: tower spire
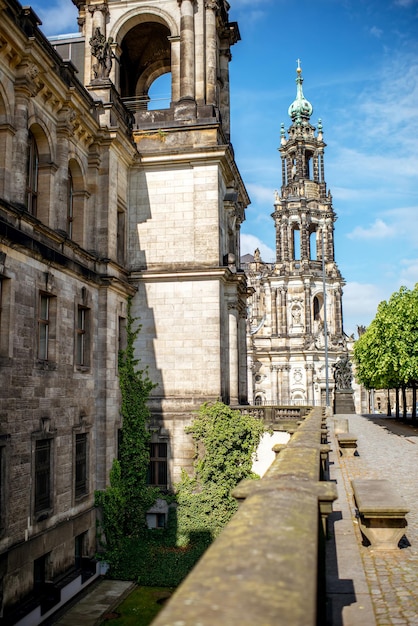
pixel 301 109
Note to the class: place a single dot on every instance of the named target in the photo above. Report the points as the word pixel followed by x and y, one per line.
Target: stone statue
pixel 101 49
pixel 342 373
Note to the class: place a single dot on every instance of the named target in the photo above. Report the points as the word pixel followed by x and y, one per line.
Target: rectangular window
pixel 82 336
pixel 157 474
pixel 120 237
pixel 43 327
pixel 42 474
pixel 81 487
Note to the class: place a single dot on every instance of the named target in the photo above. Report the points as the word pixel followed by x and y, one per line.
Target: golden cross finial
pixel 299 69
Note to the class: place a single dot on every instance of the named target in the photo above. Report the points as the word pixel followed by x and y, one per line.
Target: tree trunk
pixel 389 408
pixel 397 403
pixel 404 407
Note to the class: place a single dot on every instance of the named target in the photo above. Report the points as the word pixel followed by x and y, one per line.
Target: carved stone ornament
pixel 343 373
pixel 32 71
pixel 101 49
pixel 212 4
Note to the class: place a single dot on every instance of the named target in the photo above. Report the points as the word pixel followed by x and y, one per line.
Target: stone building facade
pixel 295 323
pixel 103 199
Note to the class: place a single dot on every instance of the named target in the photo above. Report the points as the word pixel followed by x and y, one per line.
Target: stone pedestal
pixel 344 401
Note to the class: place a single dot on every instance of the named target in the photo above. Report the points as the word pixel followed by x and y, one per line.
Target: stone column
pixel 242 357
pixel 211 7
pixel 187 57
pixel 285 240
pixel 233 353
pixel 286 385
pixel 304 239
pixel 267 296
pixel 175 68
pixel 316 168
pixel 284 177
pixel 338 312
pixel 273 376
pixel 96 14
pixel 321 166
pixel 307 307
pixel 280 384
pixel 283 308
pixel 309 384
pixel 274 311
pixel 20 144
pixel 224 104
pixel 279 254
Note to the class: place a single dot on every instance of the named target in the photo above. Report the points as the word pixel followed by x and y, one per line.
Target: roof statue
pixel 301 108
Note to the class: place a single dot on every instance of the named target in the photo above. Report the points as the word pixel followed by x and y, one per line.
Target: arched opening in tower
pixel 313 246
pixel 146 56
pixel 308 164
pixel 318 312
pixel 296 243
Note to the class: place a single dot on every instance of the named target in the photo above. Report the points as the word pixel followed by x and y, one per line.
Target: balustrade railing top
pixel 264 568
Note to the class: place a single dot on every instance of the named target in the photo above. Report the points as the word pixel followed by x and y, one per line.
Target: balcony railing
pixel 267 565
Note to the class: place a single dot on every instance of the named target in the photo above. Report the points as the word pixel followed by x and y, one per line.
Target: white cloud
pixel 249 243
pixel 261 195
pixel 409 273
pixel 405 3
pixel 378 230
pixel 376 32
pixel 360 302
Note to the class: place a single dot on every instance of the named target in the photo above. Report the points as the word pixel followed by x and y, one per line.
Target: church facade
pixel 104 199
pixel 295 322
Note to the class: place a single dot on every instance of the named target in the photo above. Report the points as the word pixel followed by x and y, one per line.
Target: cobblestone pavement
pixel 388 448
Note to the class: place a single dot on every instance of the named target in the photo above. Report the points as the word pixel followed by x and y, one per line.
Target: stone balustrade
pixel 267 565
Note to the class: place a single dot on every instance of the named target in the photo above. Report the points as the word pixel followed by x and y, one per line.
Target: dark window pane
pixel 42 474
pixel 80 465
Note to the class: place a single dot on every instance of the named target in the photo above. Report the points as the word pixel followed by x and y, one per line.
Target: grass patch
pixel 140 607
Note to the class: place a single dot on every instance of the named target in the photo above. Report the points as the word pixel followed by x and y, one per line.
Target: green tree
pixel 386 355
pixel 125 501
pixel 226 441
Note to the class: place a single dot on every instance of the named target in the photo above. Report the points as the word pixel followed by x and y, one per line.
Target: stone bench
pixel 347 443
pixel 381 512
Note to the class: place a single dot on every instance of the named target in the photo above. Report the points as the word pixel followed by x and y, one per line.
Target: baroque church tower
pixel 295 331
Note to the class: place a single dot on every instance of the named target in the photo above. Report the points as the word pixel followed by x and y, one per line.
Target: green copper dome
pixel 301 108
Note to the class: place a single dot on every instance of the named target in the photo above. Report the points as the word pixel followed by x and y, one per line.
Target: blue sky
pixel 360 67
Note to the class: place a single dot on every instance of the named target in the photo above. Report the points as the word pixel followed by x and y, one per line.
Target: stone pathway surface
pixel 387 449
pixel 103 597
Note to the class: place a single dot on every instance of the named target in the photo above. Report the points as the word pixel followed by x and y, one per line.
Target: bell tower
pixel 296 331
pixel 175 196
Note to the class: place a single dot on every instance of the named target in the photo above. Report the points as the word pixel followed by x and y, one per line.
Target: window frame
pixel 41 503
pixel 32 175
pixel 44 327
pixel 82 336
pixel 158 464
pixel 81 486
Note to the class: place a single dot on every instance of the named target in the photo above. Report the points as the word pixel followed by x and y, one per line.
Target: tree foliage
pixel 386 355
pixel 226 441
pixel 125 501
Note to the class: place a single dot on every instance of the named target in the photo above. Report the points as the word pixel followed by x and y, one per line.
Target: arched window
pixel 32 173
pixel 296 243
pixel 312 246
pixel 146 55
pixel 76 197
pixel 70 204
pixel 316 309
